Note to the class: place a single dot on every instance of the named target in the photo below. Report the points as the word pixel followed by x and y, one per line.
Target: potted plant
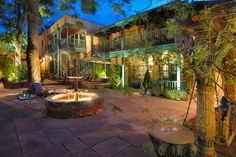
pixel 136 83
pixel 147 84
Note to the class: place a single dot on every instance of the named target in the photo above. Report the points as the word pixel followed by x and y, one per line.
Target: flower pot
pixel 136 85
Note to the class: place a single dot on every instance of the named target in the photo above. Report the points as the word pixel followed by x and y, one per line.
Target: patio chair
pixel 95 81
pixel 38 90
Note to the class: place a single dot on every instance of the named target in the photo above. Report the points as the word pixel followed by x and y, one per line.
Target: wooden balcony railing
pixel 70 44
pixel 156 37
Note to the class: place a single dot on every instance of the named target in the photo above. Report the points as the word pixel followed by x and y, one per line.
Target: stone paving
pixel 25 130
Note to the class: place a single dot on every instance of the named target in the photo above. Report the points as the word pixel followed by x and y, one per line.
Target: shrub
pixel 175 94
pixel 114 75
pixel 12 72
pixel 147 83
pixel 6 66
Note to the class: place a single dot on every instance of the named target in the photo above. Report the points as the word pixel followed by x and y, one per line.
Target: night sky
pixel 104 14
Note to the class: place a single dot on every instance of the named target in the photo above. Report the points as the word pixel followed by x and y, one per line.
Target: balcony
pixel 156 37
pixel 71 44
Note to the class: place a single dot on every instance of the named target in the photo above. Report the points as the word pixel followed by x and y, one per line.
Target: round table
pixel 173 140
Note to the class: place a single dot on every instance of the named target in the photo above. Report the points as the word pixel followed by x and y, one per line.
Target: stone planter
pixel 172 140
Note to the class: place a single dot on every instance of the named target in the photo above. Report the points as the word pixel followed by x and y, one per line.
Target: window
pixel 168 72
pixel 172 72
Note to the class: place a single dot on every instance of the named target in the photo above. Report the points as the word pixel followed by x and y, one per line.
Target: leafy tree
pixel 13 16
pixel 207 41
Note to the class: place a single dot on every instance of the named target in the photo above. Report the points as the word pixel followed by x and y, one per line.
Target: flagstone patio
pixel 27 131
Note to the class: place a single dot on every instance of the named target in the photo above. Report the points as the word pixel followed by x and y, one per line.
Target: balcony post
pixel 92 46
pixel 122 39
pixel 178 71
pixel 123 73
pixel 58 52
pixel 67 37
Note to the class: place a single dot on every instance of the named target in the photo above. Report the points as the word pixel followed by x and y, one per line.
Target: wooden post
pixel 122 39
pixel 67 37
pixel 178 71
pixel 123 73
pixel 58 52
pixel 92 46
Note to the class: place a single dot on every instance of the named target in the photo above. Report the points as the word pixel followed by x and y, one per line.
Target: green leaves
pixel 65 5
pixel 89 6
pixel 116 109
pixel 45 11
pixel 147 84
pixel 173 27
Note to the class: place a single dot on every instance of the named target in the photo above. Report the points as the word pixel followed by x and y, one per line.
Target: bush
pixel 13 73
pixel 6 66
pixel 147 83
pixel 175 94
pixel 114 75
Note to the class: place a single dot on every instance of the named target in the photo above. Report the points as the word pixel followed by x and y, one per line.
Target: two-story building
pixel 66 42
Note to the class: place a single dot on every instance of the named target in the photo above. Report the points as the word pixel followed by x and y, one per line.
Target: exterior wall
pixel 43 51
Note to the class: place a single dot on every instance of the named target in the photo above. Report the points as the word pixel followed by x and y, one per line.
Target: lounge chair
pixel 94 81
pixel 38 90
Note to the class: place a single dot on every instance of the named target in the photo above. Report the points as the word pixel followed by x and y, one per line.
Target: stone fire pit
pixel 76 104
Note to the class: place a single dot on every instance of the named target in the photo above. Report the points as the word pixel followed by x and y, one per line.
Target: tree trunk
pixel 18 54
pixel 32 47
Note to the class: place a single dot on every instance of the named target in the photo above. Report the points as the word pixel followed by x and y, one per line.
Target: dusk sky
pixel 104 14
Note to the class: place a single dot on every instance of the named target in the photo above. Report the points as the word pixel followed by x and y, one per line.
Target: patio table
pixel 172 140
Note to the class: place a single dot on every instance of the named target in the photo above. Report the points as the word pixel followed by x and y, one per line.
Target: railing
pixel 172 85
pixel 64 43
pixel 156 37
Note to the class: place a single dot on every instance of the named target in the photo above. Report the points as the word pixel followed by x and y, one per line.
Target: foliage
pixel 7 66
pixel 147 147
pixel 12 72
pixel 17 73
pixel 127 91
pixel 100 71
pixel 217 42
pixel 137 80
pixel 115 77
pixel 116 109
pixel 175 94
pixel 156 91
pixel 9 40
pixel 147 83
pixel 173 27
pixel 181 9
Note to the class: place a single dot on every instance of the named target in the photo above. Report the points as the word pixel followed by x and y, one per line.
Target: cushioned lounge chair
pixel 40 91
